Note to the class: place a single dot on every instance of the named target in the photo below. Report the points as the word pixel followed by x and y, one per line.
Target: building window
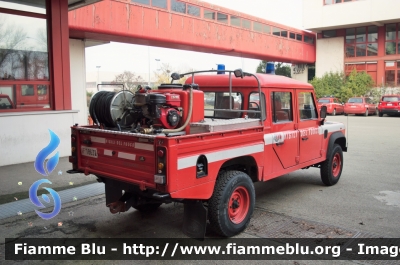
pixel 292 35
pixel 392 74
pixel 222 18
pixel 24 55
pixel 331 2
pixel 159 3
pixel 181 7
pixel 329 33
pixel 144 2
pixel 362 41
pixel 257 26
pixel 193 10
pixel 299 37
pixel 235 21
pixel 208 14
pixel 392 44
pixel 308 39
pixel 267 29
pixel 276 31
pixel 178 6
pixel 246 24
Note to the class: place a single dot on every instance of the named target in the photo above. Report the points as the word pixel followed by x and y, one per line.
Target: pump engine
pixel 163 110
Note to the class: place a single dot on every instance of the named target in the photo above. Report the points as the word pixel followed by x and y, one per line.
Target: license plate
pixel 88 151
pixel 389 104
pixel 353 106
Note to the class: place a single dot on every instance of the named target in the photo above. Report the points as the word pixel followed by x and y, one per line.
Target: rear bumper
pixel 389 111
pixel 354 111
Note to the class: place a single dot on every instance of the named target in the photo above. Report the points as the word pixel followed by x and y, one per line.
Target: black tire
pixel 232 203
pixel 380 114
pixel 345 114
pixel 147 208
pixel 334 112
pixel 366 113
pixel 331 168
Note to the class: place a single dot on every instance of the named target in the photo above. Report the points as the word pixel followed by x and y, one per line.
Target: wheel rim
pixel 336 165
pixel 239 204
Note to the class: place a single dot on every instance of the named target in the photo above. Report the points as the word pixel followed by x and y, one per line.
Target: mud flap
pixel 194 219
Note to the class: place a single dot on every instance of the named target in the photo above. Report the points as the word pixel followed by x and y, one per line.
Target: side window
pixel 281 106
pixel 27 90
pixel 255 104
pixel 222 101
pixel 307 110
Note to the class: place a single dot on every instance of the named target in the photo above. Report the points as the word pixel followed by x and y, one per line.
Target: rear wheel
pixel 232 203
pixel 331 168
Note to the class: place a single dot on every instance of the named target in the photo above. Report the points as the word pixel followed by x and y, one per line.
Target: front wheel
pixel 232 203
pixel 331 168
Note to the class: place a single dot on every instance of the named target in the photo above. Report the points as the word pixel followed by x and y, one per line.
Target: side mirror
pixel 323 112
pixel 238 73
pixel 175 76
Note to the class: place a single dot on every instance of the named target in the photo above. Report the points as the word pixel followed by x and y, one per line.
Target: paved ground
pixel 365 202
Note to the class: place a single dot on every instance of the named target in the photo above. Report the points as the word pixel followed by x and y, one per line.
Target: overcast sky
pixel 117 57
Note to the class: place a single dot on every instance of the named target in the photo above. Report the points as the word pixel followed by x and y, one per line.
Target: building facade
pixel 356 34
pixel 42 77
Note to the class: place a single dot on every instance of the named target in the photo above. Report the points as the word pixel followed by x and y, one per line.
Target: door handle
pixel 305 138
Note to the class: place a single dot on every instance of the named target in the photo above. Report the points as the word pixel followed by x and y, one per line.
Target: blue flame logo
pixel 52 161
pixel 35 200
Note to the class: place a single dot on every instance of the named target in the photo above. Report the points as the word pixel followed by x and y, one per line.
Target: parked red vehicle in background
pixel 359 105
pixel 5 102
pixel 333 105
pixel 389 105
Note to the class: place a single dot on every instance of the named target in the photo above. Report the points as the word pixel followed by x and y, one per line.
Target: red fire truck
pixel 172 145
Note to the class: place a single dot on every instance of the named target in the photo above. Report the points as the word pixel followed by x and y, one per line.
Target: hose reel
pixel 113 109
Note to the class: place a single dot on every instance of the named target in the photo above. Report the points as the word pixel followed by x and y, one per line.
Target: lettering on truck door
pixel 310 136
pixel 284 137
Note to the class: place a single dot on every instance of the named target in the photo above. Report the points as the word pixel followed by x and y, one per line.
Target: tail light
pixel 160 176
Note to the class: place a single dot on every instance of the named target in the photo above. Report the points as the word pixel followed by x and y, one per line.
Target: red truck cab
pixel 196 144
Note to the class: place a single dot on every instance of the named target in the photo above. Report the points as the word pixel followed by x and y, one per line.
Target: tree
pixel 11 39
pixel 280 69
pixel 342 87
pixel 129 79
pixel 163 76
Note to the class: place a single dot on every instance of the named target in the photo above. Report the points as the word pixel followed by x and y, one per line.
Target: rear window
pixel 390 99
pixel 323 101
pixel 355 100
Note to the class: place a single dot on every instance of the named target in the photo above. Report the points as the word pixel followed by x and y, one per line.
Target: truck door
pixel 285 138
pixel 310 139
